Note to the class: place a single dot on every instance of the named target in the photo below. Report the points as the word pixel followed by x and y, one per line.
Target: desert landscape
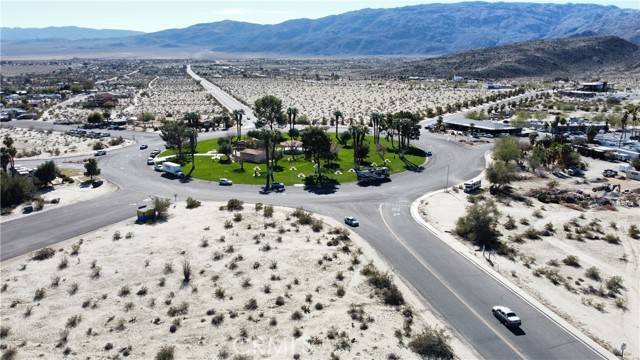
pixel 44 144
pixel 218 279
pixel 582 263
pixel 356 99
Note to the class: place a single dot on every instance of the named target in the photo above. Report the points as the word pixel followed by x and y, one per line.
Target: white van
pixel 472 185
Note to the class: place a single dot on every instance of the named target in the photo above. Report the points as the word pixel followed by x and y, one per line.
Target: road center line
pixel 430 270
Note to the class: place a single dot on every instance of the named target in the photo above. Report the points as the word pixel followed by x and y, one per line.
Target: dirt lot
pixel 566 256
pixel 261 286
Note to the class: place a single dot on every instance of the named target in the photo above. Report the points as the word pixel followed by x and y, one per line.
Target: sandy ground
pixel 172 96
pixel 126 290
pixel 610 325
pixel 67 194
pixel 45 144
pixel 356 99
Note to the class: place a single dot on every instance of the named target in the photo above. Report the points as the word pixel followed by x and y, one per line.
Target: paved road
pixel 455 288
pixel 226 100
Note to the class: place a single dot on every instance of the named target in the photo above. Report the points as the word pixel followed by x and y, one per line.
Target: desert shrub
pixel 634 232
pixel 296 315
pixel 9 353
pixel 316 225
pixel 432 343
pixel 392 296
pixel 192 203
pixel 73 321
pixel 340 292
pixel 252 304
pixel 186 272
pixel 181 309
pixel 237 217
pixel 280 301
pixel 268 211
pixel 4 331
pixel 39 294
pixel 228 224
pixel 258 206
pixel 234 205
pixel 614 284
pixel 124 291
pixel 621 303
pixel 524 221
pixel 593 273
pixel 532 233
pixel 553 262
pixel 571 260
pixel 510 224
pixel 117 235
pixel 611 239
pixel 217 319
pixel 73 288
pixel 297 332
pixel 165 353
pixel 43 254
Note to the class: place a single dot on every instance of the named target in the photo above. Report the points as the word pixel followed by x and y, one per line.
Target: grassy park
pixel 292 169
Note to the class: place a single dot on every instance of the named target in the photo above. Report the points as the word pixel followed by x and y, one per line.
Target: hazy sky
pixel 152 15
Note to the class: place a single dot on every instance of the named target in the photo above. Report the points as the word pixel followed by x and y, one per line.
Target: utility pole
pixel 446 187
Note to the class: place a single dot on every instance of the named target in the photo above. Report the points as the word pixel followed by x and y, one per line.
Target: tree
pixel 592 131
pixel 192 119
pixel 501 173
pixel 532 138
pixel 192 135
pixel 268 138
pixel 376 121
pixel 479 223
pixel 623 123
pixel 145 118
pixel 345 137
pixel 175 135
pixel 14 189
pixel 237 116
pixel 224 147
pixel 91 168
pixel 507 149
pixel 292 112
pixel 358 133
pixel 269 111
pixel 46 172
pixel 95 118
pixel 337 115
pixel 8 152
pixel 317 146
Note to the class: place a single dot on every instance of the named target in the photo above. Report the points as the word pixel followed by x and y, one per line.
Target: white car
pixel 506 316
pixel 150 160
pixel 351 221
pixel 157 167
pixel 225 182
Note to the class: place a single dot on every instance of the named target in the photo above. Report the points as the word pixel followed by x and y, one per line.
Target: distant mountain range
pixel 413 30
pixel 557 57
pixel 62 32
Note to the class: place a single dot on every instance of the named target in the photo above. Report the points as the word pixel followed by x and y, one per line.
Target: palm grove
pixel 319 147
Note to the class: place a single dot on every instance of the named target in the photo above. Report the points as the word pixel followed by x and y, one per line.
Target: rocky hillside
pixel 531 59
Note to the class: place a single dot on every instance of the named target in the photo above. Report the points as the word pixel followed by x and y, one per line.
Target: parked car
pixel 100 153
pixel 609 173
pixel 155 152
pixel 157 167
pixel 225 182
pixel 351 221
pixel 143 146
pixel 151 160
pixel 429 153
pixel 506 316
pixel 277 187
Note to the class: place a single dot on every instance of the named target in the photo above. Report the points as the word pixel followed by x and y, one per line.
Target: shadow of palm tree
pixel 327 186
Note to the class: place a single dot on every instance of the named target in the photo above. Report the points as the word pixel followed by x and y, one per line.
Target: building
pixel 598 86
pixel 489 127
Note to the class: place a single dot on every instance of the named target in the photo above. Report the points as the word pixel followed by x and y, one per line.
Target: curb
pixel 543 309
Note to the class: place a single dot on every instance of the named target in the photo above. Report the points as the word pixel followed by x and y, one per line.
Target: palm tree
pixel 292 112
pixel 337 114
pixel 237 116
pixel 376 119
pixel 623 123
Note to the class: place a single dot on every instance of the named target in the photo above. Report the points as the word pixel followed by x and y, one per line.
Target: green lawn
pixel 289 167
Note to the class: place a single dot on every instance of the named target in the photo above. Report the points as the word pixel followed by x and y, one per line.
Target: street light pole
pixel 446 187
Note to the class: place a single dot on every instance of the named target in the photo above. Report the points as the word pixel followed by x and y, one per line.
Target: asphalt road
pixel 455 288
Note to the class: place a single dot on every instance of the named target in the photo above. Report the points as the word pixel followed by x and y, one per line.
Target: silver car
pixel 506 316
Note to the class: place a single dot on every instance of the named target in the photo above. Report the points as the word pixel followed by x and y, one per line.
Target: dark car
pixel 143 146
pixel 351 221
pixel 277 187
pixel 609 173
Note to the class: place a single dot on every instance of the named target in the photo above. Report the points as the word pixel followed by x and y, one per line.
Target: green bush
pixel 14 189
pixel 166 353
pixel 43 254
pixel 161 206
pixel 234 205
